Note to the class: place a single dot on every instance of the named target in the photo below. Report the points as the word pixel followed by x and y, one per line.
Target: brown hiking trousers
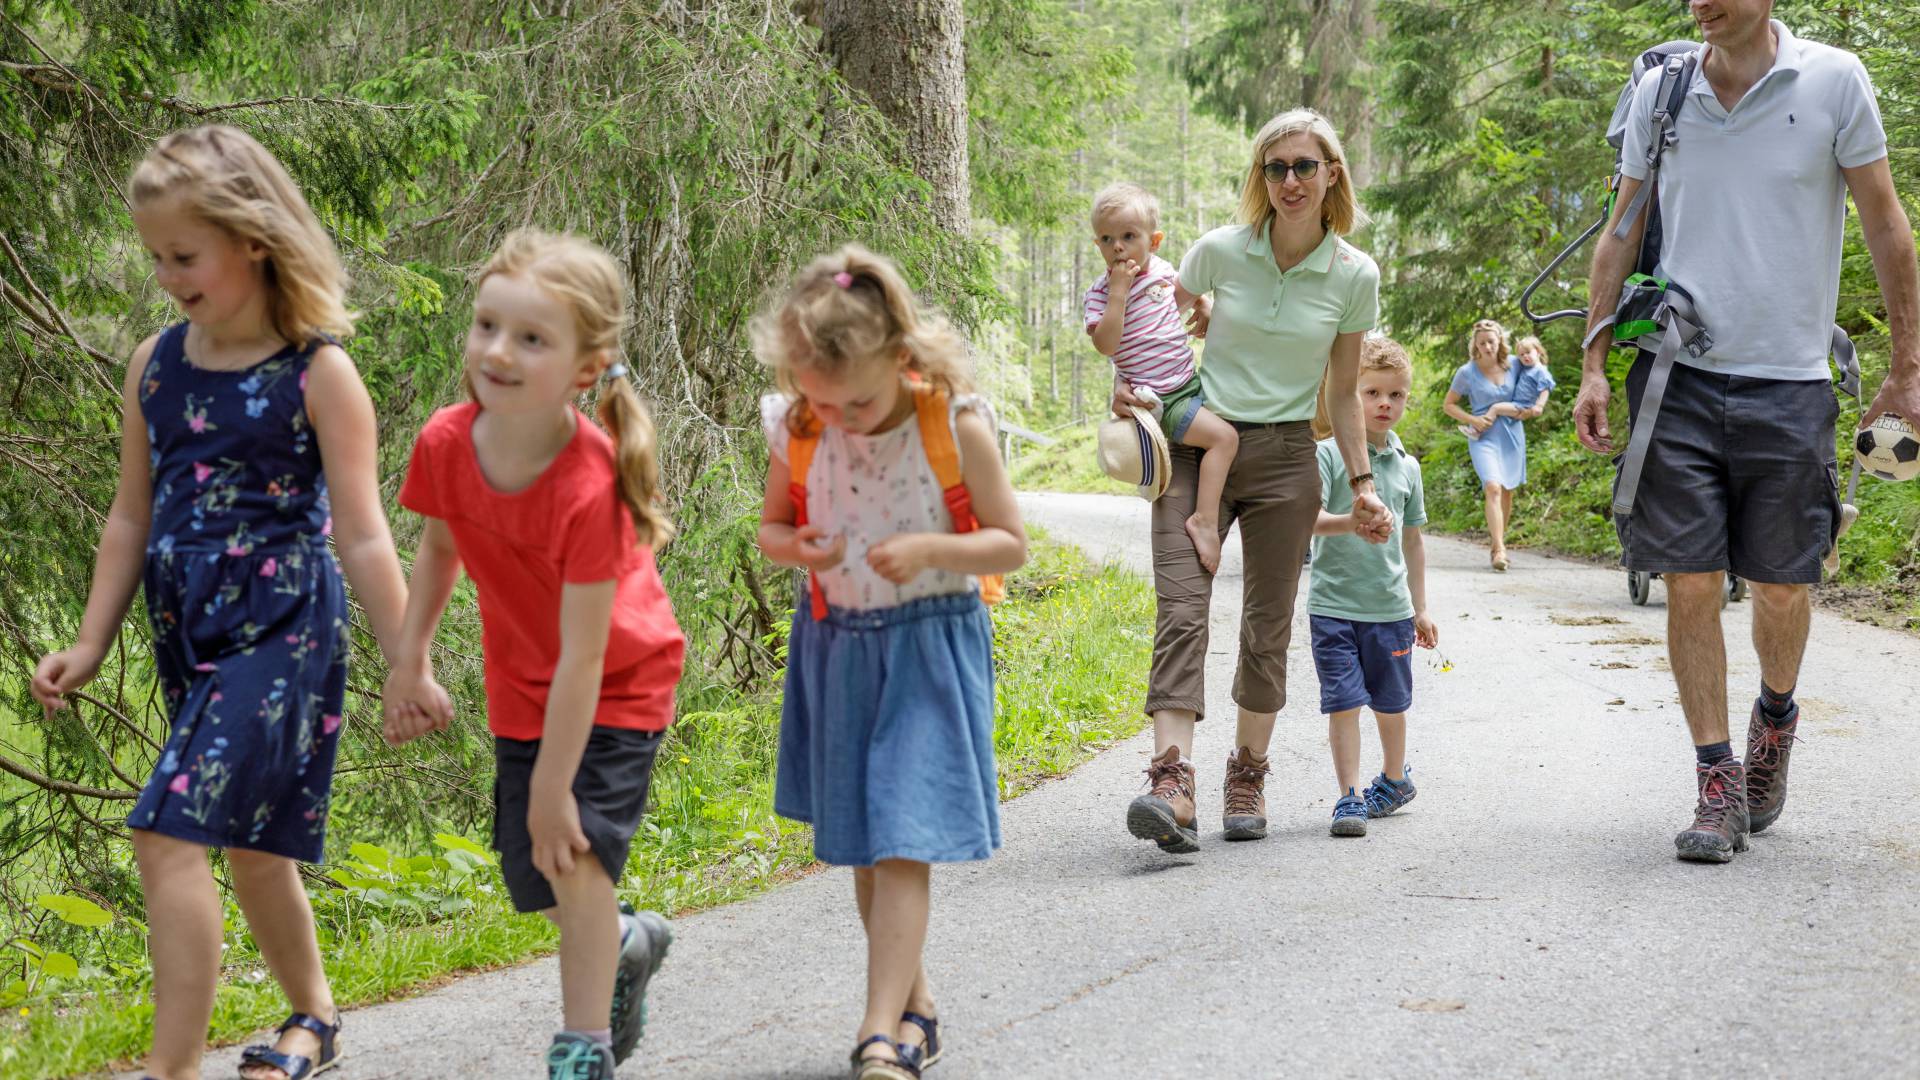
pixel 1273 491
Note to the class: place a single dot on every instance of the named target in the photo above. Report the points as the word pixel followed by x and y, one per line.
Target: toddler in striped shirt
pixel 1133 313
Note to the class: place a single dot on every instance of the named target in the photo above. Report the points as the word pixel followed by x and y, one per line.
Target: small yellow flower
pixel 24 1010
pixel 685 760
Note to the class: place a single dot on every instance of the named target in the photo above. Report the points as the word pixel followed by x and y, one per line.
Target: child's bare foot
pixel 1206 540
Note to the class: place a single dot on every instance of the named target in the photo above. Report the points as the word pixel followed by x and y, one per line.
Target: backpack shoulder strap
pixel 1676 77
pixel 932 411
pixel 800 450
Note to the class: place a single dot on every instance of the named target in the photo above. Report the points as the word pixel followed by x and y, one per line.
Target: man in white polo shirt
pixel 1741 473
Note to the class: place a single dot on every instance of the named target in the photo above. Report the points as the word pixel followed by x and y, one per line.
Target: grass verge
pixel 710 836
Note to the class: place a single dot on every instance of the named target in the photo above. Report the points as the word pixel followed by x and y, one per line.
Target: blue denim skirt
pixel 886 732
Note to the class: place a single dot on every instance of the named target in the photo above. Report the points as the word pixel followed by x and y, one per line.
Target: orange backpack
pixel 936 435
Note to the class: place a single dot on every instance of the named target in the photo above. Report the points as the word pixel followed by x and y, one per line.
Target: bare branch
pixel 62 787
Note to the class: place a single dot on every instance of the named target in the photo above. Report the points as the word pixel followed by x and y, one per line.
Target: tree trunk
pixel 1186 40
pixel 907 57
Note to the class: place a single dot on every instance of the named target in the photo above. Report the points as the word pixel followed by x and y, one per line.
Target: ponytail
pixel 635 458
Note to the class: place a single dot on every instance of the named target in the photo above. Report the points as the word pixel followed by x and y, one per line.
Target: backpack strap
pixel 1676 78
pixel 931 409
pixel 800 450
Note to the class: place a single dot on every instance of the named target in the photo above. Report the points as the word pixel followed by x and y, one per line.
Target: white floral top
pixel 870 487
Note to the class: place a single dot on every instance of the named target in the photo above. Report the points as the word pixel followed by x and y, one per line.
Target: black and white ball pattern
pixel 1888 448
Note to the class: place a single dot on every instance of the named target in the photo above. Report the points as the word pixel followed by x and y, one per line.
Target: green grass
pixel 710 835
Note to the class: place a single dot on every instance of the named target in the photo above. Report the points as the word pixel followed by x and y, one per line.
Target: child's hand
pixel 899 558
pixel 412 704
pixel 1425 633
pixel 60 673
pixel 813 553
pixel 1372 520
pixel 1120 275
pixel 553 821
pixel 1200 316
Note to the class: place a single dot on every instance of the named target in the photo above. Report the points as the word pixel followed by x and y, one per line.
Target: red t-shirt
pixel 569 525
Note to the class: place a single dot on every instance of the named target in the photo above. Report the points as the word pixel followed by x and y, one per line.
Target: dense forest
pixel 714 145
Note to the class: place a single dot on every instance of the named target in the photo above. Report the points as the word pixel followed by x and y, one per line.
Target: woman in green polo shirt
pixel 1291 302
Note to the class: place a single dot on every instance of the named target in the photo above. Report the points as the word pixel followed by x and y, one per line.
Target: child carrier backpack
pixel 936 436
pixel 1654 313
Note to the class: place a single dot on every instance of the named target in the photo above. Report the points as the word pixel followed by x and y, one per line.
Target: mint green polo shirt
pixel 1353 579
pixel 1272 333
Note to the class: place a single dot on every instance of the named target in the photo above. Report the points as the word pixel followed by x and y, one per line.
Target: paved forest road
pixel 1523 917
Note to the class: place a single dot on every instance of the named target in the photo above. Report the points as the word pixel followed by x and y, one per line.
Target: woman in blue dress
pixel 1496 441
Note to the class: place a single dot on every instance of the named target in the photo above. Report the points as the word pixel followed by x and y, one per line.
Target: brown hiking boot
pixel 1165 815
pixel 1768 748
pixel 1719 818
pixel 1244 810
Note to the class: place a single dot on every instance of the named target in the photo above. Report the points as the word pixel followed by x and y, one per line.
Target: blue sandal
pixel 866 1068
pixel 298 1066
pixel 924 1054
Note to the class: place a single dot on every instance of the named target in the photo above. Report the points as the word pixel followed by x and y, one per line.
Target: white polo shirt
pixel 1753 204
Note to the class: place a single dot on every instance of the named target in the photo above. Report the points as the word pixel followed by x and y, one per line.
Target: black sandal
pixel 866 1068
pixel 926 1053
pixel 297 1066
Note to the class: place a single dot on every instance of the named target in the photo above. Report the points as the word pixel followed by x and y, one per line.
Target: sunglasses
pixel 1276 171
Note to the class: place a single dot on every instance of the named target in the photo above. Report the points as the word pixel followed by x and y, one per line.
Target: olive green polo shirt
pixel 1271 332
pixel 1353 579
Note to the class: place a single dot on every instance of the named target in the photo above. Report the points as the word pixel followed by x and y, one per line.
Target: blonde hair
pixel 587 279
pixel 1530 342
pixel 229 180
pixel 1126 196
pixel 1340 210
pixel 1376 354
pixel 1500 334
pixel 847 309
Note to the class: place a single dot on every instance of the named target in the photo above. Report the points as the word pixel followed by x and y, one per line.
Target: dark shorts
pixel 1741 476
pixel 1363 664
pixel 610 789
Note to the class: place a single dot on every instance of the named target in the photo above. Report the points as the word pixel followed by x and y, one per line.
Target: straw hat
pixel 1134 451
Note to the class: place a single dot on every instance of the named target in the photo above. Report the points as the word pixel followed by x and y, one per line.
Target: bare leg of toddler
pixel 1219 443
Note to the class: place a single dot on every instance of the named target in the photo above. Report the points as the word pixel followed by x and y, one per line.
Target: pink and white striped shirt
pixel 1153 350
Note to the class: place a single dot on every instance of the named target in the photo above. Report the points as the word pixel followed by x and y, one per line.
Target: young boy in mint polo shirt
pixel 1368 605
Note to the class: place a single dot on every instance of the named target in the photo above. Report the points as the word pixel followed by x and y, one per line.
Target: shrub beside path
pixel 1523 917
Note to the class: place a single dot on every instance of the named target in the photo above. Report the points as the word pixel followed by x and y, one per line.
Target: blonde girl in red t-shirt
pixel 886 732
pixel 546 512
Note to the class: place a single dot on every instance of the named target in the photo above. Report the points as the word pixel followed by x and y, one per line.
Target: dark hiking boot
pixel 1769 746
pixel 1165 814
pixel 644 939
pixel 1720 818
pixel 1244 809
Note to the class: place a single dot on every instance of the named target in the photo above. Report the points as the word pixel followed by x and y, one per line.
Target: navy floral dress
pixel 249 615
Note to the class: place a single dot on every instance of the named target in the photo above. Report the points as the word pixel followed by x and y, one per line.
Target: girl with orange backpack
pixel 885 484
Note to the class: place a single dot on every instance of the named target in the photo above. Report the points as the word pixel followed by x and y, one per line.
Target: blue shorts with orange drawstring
pixel 1363 664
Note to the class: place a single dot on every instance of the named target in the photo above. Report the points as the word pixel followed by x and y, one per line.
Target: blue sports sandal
pixel 1384 796
pixel 924 1053
pixel 298 1066
pixel 879 1068
pixel 1349 816
pixel 573 1056
pixel 644 939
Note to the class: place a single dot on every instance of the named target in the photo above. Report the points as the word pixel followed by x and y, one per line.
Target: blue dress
pixel 1530 383
pixel 1500 453
pixel 249 615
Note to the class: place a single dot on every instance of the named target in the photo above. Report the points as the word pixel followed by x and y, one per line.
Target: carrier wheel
pixel 1736 589
pixel 1639 587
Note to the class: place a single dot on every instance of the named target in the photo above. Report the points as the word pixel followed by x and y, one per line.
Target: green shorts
pixel 1178 407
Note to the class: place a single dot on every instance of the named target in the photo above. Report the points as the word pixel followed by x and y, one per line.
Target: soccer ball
pixel 1889 449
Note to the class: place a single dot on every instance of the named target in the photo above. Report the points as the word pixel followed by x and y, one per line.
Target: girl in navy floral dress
pixel 248 446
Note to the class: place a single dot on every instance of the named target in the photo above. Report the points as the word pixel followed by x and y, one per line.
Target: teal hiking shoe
pixel 1349 816
pixel 644 939
pixel 1384 796
pixel 576 1057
